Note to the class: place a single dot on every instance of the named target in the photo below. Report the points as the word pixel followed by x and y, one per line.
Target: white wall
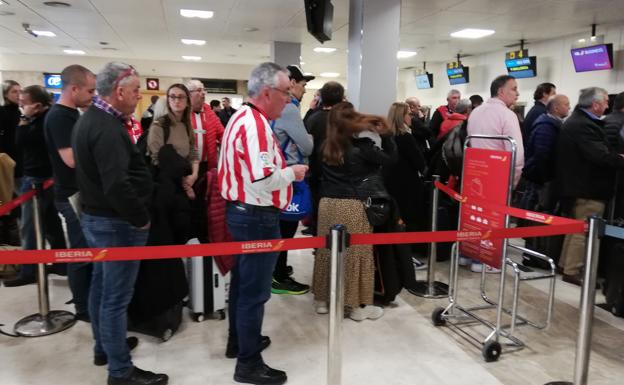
pixel 554 64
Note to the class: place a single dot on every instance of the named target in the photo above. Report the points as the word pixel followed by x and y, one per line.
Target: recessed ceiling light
pixel 109 49
pixel 56 4
pixel 324 49
pixel 250 29
pixel 406 54
pixel 473 33
pixel 330 74
pixel 2 2
pixel 74 51
pixel 196 13
pixel 193 58
pixel 193 42
pixel 44 33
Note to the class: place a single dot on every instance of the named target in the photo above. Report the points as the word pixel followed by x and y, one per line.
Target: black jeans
pixel 288 230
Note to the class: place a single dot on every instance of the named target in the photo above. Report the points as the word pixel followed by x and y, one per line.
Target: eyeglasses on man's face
pixel 283 92
pixel 198 90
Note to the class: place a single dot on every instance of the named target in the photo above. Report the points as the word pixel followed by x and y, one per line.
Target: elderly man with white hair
pixel 443 112
pixel 115 187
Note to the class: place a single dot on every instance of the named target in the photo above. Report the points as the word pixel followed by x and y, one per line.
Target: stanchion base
pixel 559 383
pixel 422 289
pixel 37 325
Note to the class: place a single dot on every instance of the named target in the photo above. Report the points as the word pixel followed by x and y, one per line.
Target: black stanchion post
pixel 432 288
pixel 337 242
pixel 45 322
pixel 588 297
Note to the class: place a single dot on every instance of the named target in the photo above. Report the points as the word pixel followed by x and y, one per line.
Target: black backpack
pixel 453 151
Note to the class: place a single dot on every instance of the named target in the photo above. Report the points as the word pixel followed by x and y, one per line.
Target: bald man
pixel 419 129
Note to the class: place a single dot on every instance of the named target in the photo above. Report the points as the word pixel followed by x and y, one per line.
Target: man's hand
pixel 147 226
pixel 300 171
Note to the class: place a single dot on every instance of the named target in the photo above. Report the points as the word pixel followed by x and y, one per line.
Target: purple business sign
pixel 595 58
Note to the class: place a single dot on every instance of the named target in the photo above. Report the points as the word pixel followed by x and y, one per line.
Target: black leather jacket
pixel 362 160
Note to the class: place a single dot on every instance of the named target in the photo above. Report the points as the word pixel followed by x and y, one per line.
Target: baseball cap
pixel 297 74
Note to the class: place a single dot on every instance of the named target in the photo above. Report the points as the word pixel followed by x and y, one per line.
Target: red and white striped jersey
pixel 252 168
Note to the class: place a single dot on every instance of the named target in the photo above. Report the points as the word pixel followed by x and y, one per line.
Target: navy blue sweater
pixel 539 164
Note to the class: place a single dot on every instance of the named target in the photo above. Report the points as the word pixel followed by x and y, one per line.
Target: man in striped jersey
pixel 256 182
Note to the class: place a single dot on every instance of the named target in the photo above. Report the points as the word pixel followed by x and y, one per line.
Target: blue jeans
pixel 112 286
pixel 51 227
pixel 78 274
pixel 250 287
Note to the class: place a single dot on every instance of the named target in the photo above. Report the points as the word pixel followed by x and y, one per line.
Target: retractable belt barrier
pixel 553 226
pixel 20 200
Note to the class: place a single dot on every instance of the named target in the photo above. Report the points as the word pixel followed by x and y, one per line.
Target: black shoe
pixel 289 270
pixel 84 317
pixel 309 231
pixel 20 281
pixel 231 351
pixel 132 343
pixel 261 375
pixel 288 286
pixel 140 377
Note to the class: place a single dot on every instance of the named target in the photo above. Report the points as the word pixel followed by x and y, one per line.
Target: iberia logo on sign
pixel 80 255
pixel 539 217
pixel 262 246
pixel 473 235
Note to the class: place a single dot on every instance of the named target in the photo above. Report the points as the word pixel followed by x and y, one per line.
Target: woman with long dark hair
pixel 356 147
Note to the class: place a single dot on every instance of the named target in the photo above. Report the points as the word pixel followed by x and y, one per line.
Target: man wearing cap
pixel 296 145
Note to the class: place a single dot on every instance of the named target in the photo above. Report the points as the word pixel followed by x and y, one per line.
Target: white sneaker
pixel 478 268
pixel 465 261
pixel 321 307
pixel 369 311
pixel 418 265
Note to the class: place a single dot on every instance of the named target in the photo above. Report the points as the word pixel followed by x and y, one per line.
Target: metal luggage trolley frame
pixel 491 347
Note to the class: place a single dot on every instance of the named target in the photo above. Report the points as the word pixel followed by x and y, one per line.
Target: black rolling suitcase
pixel 613 262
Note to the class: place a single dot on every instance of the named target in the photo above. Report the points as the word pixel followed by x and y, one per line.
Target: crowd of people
pixel 121 182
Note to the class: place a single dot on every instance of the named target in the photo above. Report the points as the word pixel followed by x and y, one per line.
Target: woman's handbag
pixel 377 202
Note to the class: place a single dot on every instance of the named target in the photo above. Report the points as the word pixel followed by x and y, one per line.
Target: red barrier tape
pixel 20 200
pixel 519 213
pixel 554 226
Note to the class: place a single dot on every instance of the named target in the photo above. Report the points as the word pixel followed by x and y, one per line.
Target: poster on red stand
pixel 486 177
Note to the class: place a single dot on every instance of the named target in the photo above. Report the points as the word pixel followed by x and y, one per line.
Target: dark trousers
pixel 51 227
pixel 288 230
pixel 250 287
pixel 78 274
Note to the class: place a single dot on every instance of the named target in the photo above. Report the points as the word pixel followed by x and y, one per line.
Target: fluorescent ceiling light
pixel 193 58
pixel 324 49
pixel 44 33
pixel 330 74
pixel 2 2
pixel 74 51
pixel 193 42
pixel 472 33
pixel 196 13
pixel 406 54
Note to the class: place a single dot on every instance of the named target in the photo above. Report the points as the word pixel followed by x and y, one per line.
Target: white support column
pixel 285 53
pixel 374 36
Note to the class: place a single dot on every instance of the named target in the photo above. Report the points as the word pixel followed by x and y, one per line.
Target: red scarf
pixel 134 129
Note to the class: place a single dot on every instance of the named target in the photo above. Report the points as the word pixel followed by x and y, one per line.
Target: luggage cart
pixel 458 316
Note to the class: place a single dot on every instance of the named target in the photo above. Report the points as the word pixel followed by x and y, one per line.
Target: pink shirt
pixel 495 118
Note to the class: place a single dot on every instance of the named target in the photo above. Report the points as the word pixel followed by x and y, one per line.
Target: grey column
pixel 285 53
pixel 374 35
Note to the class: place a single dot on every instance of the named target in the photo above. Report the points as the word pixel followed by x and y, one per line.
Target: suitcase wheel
pixel 167 334
pixel 221 315
pixel 197 317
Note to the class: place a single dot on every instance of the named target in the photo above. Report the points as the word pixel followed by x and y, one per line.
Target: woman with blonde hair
pixel 355 149
pixel 405 181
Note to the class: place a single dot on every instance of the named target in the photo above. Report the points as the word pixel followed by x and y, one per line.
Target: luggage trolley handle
pixel 501 292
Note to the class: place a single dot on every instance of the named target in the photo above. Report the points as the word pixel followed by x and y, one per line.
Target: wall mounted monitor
pixel 458 75
pixel 525 67
pixel 319 18
pixel 424 81
pixel 594 58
